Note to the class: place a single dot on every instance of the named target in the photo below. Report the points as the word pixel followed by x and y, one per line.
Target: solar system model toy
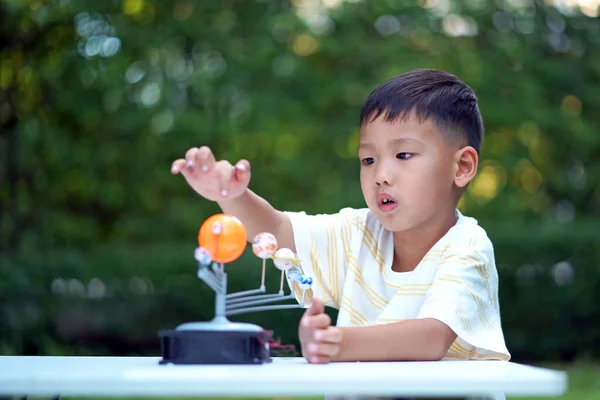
pixel 222 239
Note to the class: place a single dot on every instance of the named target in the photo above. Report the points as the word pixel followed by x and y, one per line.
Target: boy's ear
pixel 466 161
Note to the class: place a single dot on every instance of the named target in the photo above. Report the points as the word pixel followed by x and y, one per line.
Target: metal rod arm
pixel 209 278
pixel 248 298
pixel 245 293
pixel 260 301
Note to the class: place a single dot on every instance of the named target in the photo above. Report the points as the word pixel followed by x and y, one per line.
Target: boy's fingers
pixel 317 307
pixel 206 159
pixel 318 359
pixel 329 335
pixel 191 158
pixel 177 166
pixel 320 321
pixel 225 173
pixel 242 171
pixel 322 349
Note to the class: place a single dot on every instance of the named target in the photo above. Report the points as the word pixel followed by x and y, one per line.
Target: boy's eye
pixel 367 161
pixel 403 156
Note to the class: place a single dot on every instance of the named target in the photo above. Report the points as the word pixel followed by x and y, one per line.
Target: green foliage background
pixel 98 98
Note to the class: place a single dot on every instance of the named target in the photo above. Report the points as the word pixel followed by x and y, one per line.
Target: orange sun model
pixel 224 237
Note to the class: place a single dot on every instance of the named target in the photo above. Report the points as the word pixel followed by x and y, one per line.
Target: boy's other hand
pixel 211 179
pixel 319 340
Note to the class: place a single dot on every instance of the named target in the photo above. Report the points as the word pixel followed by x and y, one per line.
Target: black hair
pixel 447 101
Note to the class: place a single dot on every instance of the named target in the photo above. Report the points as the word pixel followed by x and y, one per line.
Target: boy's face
pixel 407 172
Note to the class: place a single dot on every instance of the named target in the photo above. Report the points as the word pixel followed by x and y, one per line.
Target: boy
pixel 412 277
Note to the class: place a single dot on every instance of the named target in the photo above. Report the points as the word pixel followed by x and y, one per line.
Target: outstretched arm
pixel 227 184
pixel 258 215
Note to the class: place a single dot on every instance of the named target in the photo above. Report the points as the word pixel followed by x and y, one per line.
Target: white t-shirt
pixel 349 256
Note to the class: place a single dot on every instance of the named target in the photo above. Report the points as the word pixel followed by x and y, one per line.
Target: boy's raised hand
pixel 319 340
pixel 211 179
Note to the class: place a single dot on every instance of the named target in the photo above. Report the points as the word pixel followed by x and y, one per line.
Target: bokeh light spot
pixel 529 176
pixel 305 45
pixel 133 7
pixel 490 180
pixel 571 105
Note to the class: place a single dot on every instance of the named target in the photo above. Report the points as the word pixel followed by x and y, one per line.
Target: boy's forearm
pixel 410 340
pixel 258 215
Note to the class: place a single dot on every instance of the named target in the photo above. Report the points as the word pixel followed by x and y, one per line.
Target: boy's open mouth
pixel 385 202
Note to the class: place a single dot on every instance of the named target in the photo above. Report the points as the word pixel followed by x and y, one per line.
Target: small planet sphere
pixel 305 282
pixel 264 245
pixel 294 274
pixel 203 256
pixel 284 259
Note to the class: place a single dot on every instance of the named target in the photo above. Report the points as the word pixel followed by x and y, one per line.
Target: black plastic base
pixel 214 347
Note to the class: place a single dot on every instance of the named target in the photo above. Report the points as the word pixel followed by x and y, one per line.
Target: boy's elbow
pixel 440 341
pixel 284 232
pixel 437 353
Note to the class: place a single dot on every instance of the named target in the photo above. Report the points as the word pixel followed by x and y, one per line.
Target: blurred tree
pixel 97 100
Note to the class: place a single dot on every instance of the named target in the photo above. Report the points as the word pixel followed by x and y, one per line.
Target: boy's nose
pixel 382 176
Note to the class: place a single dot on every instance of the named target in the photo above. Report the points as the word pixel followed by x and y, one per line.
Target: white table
pixel 143 376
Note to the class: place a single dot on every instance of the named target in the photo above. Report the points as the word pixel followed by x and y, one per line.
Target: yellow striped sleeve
pixel 464 295
pixel 323 245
